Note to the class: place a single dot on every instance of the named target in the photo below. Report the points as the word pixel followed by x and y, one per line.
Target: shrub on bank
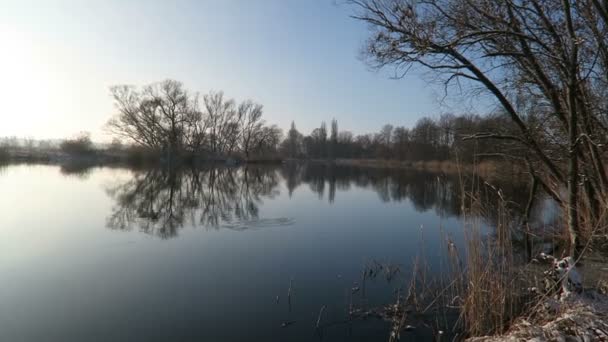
pixel 4 155
pixel 80 145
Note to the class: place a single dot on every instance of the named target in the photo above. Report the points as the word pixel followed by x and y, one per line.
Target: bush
pixel 138 155
pixel 115 145
pixel 80 145
pixel 4 155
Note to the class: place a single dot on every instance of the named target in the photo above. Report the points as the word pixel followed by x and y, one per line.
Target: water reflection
pixel 160 201
pixel 76 169
pixel 337 220
pixel 442 193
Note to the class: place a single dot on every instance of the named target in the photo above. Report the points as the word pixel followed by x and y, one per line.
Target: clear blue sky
pixel 300 58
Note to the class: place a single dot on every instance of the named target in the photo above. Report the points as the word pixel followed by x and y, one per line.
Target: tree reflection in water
pixel 442 193
pixel 160 201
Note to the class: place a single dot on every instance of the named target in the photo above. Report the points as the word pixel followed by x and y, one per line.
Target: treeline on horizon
pixel 167 118
pixel 447 137
pixel 166 121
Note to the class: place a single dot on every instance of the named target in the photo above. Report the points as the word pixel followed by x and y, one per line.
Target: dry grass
pixel 485 282
pixel 489 288
pixel 481 283
pixel 493 287
pixel 484 168
pixel 490 299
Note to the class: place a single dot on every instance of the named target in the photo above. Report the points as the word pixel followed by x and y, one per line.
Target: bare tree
pixel 333 139
pixel 401 140
pixel 270 139
pixel 554 52
pixel 294 142
pixel 157 116
pixel 79 145
pixel 345 144
pixel 220 112
pixel 252 127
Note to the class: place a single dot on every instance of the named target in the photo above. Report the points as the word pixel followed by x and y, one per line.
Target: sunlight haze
pixel 298 58
pixel 303 170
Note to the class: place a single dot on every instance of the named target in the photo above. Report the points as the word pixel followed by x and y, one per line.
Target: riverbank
pixel 136 155
pixel 581 317
pixel 482 168
pixel 573 313
pixel 129 157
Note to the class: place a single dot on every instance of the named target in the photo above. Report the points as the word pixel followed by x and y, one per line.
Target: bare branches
pixel 166 117
pixel 493 136
pixel 552 55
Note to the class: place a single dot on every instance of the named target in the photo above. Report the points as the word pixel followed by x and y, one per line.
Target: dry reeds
pixel 487 285
pixel 481 284
pixel 485 168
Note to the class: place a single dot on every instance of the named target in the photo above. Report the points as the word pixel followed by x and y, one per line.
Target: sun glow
pixel 29 89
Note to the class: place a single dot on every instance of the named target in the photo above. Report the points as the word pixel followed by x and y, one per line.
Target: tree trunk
pixel 527 213
pixel 573 219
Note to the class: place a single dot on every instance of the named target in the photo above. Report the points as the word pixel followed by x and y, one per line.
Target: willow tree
pixel 544 62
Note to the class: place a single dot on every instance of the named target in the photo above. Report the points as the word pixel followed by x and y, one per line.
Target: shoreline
pixel 483 168
pixel 147 158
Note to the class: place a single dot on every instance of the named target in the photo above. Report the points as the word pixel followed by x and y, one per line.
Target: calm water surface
pixel 114 254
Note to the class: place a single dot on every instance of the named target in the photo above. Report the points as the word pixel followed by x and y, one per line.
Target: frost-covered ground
pixel 575 318
pixel 571 314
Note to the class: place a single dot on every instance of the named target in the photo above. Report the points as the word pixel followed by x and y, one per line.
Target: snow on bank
pixel 572 315
pixel 578 318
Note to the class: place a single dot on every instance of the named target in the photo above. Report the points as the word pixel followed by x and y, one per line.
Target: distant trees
pixel 268 141
pixel 4 153
pixel 316 143
pixel 158 116
pixel 293 144
pixel 429 139
pixel 219 122
pixel 344 147
pixel 401 145
pixel 383 141
pixel 425 140
pixel 166 117
pixel 333 139
pixel 80 145
pixel 252 127
pixel 30 149
pixel 115 145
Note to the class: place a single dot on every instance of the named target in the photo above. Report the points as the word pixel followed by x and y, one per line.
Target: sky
pixel 299 58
